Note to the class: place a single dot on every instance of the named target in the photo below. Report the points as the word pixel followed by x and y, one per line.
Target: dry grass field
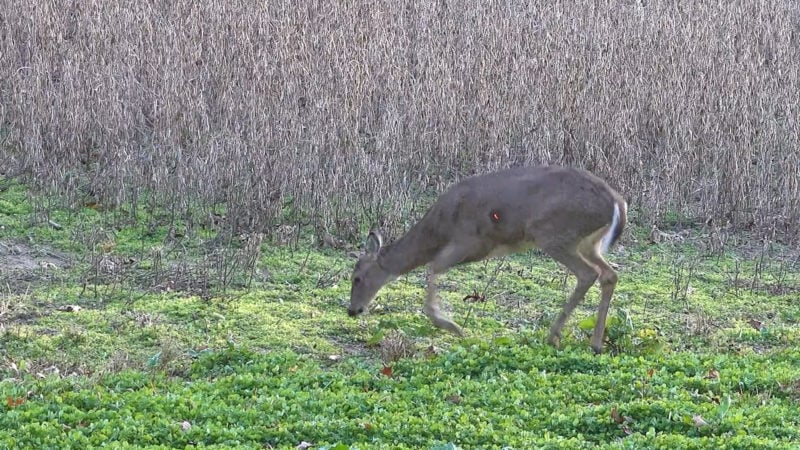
pixel 339 113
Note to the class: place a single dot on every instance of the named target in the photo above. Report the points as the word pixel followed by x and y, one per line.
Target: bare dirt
pixel 15 256
pixel 22 265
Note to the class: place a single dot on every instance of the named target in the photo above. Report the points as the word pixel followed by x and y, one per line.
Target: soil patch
pixel 16 256
pixel 22 265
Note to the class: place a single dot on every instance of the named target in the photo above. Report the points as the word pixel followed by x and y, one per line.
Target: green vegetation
pixel 476 394
pixel 111 344
pixel 203 171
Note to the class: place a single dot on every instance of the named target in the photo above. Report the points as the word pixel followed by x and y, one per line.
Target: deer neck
pixel 416 248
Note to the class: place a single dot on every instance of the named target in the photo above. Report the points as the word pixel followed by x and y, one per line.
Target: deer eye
pixel 356 280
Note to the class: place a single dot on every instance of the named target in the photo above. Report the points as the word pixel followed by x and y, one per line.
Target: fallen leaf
pixel 757 324
pixel 616 416
pixel 69 308
pixel 650 372
pixel 14 402
pixel 185 425
pixel 454 398
pixel 334 357
pixel 387 370
pixel 713 374
pixel 303 445
pixel 475 297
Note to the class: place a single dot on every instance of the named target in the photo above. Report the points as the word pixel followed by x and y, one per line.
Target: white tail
pixel 610 236
pixel 570 214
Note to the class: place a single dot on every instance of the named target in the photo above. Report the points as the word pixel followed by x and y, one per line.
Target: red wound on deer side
pixel 495 216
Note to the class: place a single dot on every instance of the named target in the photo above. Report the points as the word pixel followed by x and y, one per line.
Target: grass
pixel 701 352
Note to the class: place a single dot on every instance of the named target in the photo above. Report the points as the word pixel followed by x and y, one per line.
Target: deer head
pixel 368 276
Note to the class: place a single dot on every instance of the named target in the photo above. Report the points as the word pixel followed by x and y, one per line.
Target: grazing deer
pixel 570 214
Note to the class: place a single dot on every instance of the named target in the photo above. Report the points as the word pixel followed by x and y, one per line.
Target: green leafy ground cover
pixel 702 351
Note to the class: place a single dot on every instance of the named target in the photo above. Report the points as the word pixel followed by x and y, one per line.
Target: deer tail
pixel 617 224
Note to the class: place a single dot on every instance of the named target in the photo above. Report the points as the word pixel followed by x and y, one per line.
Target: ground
pixel 126 333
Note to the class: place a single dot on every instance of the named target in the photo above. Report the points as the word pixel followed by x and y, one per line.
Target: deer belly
pixel 503 250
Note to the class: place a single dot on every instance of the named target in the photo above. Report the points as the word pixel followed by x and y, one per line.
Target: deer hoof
pixel 449 325
pixel 453 328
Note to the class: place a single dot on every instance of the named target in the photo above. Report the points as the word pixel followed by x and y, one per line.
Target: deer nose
pixel 353 312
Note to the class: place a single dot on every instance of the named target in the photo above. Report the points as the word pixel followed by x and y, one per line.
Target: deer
pixel 570 214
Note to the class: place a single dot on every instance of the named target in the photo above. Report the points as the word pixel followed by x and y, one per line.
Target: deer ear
pixel 374 242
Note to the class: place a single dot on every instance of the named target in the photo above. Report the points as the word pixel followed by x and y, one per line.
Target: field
pixel 184 186
pixel 348 112
pixel 702 350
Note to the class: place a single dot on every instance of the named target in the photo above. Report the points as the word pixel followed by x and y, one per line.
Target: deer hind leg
pixel 586 274
pixel 608 281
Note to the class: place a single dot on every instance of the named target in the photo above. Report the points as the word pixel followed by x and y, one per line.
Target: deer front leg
pixel 449 256
pixel 432 308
